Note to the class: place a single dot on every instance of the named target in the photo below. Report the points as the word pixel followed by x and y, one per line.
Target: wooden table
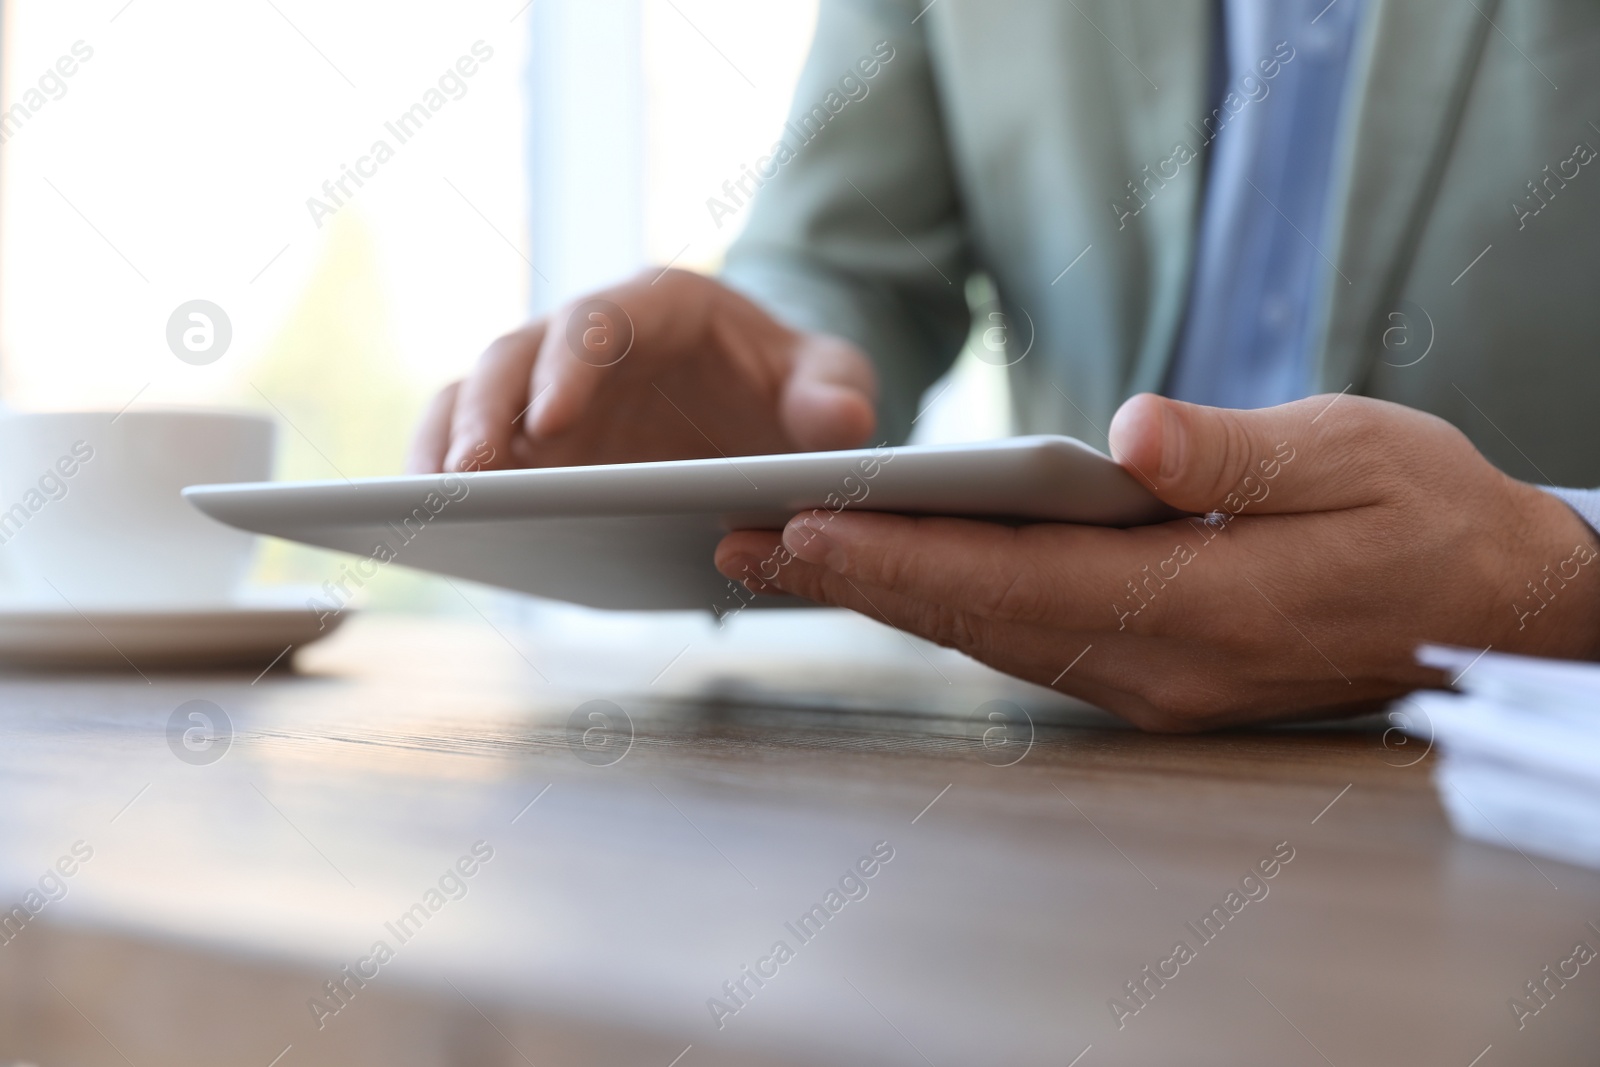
pixel 1030 881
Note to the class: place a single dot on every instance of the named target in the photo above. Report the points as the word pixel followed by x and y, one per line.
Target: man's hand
pixel 666 366
pixel 1343 532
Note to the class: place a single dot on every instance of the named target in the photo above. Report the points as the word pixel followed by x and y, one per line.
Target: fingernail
pixel 808 540
pixel 536 411
pixel 743 569
pixel 464 458
pixel 1174 443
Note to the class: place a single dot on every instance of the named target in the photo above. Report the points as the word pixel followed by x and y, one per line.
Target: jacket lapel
pixel 1415 69
pixel 1173 43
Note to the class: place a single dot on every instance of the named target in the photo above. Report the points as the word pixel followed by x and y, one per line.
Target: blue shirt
pixel 1259 266
pixel 1280 74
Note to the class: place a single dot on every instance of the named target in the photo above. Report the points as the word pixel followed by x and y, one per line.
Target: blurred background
pixel 180 159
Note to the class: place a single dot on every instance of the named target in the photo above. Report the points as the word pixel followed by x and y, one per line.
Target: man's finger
pixel 432 438
pixel 754 552
pixel 490 400
pixel 1063 576
pixel 1101 669
pixel 575 354
pixel 1317 454
pixel 654 315
pixel 830 398
pixel 1196 688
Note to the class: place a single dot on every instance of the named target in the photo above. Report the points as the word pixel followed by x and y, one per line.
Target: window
pixel 369 192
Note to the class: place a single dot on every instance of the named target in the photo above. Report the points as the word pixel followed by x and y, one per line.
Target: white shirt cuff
pixel 1586 502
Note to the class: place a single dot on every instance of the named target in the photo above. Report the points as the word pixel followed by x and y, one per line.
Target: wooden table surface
pixel 1034 871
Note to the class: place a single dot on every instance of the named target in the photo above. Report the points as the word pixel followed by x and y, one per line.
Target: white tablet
pixel 641 535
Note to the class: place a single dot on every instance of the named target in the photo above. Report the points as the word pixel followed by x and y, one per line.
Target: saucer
pixel 260 628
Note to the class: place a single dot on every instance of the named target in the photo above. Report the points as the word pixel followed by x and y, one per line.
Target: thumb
pixel 830 397
pixel 1278 459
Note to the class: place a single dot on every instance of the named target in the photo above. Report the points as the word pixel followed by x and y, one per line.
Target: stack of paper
pixel 1519 750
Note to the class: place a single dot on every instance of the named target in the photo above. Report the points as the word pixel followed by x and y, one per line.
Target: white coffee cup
pixel 91 511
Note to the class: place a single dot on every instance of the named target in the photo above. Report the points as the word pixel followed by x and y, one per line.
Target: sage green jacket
pixel 1001 138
